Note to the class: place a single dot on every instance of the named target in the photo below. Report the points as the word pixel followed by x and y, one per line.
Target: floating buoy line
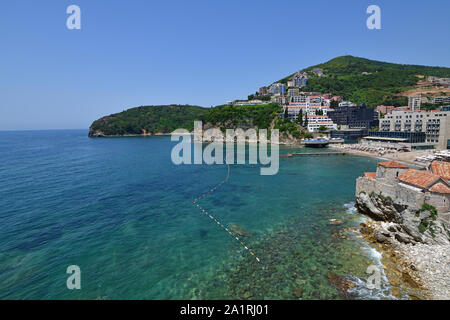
pixel 216 221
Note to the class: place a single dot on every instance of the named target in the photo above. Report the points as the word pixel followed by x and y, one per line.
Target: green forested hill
pixel 147 119
pixel 380 84
pixel 165 119
pixel 344 77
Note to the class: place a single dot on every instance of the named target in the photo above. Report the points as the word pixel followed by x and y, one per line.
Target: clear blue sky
pixel 142 52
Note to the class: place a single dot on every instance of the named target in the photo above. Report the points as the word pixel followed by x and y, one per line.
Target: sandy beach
pixel 402 157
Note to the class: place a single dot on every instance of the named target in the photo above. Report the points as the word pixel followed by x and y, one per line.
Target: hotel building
pixel 431 128
pixel 315 122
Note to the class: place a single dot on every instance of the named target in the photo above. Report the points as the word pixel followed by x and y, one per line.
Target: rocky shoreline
pixel 416 258
pixel 99 134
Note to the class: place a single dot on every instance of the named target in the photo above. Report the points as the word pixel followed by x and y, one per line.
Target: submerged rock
pixel 240 230
pixel 342 284
pixel 336 221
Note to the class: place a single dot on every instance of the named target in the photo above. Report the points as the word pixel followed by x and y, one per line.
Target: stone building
pixel 442 169
pixel 408 187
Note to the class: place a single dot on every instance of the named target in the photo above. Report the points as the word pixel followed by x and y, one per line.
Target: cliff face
pixel 399 223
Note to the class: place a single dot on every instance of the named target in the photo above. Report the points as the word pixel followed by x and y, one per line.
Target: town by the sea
pixel 123 212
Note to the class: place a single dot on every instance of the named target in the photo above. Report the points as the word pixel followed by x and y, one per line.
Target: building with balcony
pixel 317 121
pixel 435 125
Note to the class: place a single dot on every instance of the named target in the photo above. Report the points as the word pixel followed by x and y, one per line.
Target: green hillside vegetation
pixel 165 119
pixel 152 119
pixel 249 116
pixel 229 117
pixel 294 128
pixel 344 78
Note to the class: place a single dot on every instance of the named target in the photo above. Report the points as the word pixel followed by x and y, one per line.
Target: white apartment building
pixel 435 124
pixel 315 122
pixel 299 99
pixel 414 102
pixel 300 79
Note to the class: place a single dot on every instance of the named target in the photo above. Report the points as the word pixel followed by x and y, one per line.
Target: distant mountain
pixel 368 81
pixel 147 120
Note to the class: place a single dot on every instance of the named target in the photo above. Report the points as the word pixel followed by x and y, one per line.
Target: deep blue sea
pixel 123 212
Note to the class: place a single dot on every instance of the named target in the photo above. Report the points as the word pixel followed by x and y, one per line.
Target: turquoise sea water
pixel 120 210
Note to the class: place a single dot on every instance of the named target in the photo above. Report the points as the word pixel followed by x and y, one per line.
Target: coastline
pixel 421 270
pixel 101 135
pixel 400 262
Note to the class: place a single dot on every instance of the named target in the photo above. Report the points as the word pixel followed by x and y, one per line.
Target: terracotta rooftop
pixel 440 188
pixel 370 175
pixel 419 178
pixel 392 164
pixel 442 169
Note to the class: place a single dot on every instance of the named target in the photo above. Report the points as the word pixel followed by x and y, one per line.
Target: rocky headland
pixel 415 244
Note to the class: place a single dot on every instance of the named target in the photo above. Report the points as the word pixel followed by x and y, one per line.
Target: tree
pixel 306 121
pixel 322 129
pixel 300 117
pixel 286 114
pixel 334 104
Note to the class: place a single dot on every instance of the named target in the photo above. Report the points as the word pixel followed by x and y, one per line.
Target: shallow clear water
pixel 120 210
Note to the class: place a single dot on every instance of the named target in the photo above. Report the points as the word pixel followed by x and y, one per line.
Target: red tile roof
pixel 442 169
pixel 419 178
pixel 370 175
pixel 440 188
pixel 392 164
